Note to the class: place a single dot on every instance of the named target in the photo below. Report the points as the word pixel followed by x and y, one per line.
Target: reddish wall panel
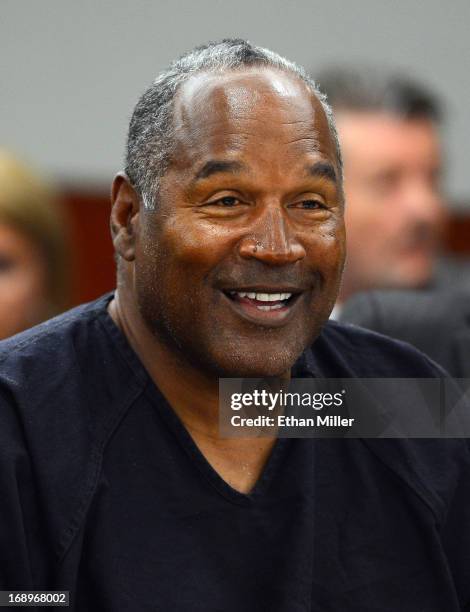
pixel 92 261
pixel 458 234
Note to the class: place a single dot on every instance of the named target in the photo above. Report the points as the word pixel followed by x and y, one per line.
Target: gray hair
pixel 150 136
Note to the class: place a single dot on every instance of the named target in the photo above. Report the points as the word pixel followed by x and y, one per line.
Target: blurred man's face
pixel 394 212
pixel 239 266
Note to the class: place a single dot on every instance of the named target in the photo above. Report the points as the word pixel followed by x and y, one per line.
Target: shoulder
pixel 51 342
pixel 357 352
pixel 66 368
pixel 437 322
pixel 403 309
pixel 82 346
pixel 64 387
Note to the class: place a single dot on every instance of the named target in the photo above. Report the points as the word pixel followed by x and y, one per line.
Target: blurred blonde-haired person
pixel 33 256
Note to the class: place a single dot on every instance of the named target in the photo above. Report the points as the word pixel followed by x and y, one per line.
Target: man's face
pixel 394 210
pixel 239 266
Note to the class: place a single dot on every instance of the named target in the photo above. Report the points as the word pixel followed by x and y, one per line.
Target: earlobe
pixel 124 216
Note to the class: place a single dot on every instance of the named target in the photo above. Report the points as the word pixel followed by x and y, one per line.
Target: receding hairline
pixel 219 74
pixel 219 78
pixel 150 134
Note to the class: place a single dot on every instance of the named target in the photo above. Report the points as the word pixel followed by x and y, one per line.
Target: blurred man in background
pixel 389 132
pixel 33 262
pixel 388 128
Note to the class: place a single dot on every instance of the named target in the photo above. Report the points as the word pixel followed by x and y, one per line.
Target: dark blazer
pixel 436 322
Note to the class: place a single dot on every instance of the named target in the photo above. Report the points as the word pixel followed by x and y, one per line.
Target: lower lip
pixel 276 317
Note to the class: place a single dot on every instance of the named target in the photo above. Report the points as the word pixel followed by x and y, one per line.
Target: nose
pixel 272 241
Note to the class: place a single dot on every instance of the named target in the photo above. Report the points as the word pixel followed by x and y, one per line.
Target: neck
pixel 191 393
pixel 194 396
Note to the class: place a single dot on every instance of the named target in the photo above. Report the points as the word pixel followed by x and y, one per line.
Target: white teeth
pixel 264 297
pixel 273 307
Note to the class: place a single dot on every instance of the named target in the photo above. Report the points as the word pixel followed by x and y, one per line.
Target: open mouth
pixel 263 305
pixel 261 300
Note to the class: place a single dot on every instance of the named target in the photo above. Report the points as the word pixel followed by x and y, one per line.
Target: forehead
pixel 216 112
pixel 382 134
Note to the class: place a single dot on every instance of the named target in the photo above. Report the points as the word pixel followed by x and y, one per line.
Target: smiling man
pixel 245 241
pixel 228 230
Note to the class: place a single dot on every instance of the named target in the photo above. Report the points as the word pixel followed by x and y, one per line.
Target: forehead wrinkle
pixel 313 139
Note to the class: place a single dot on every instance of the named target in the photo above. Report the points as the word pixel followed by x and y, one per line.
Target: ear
pixel 124 216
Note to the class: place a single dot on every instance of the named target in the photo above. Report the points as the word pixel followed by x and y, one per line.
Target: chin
pixel 415 279
pixel 256 364
pixel 414 271
pixel 258 371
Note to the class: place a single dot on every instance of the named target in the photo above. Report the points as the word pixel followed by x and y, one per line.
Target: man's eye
pixel 310 204
pixel 226 201
pixel 232 205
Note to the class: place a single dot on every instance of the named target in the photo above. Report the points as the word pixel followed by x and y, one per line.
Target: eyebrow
pixel 323 169
pixel 215 166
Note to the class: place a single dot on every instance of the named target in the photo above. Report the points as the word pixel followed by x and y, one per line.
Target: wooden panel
pixel 458 234
pixel 93 267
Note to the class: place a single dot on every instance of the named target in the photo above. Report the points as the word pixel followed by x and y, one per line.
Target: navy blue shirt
pixel 105 494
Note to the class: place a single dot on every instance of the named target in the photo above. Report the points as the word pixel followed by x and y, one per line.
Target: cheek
pixel 372 224
pixel 327 246
pixel 193 247
pixel 173 267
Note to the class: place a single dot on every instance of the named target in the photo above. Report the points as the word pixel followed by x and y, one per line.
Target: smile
pixel 262 301
pixel 268 307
